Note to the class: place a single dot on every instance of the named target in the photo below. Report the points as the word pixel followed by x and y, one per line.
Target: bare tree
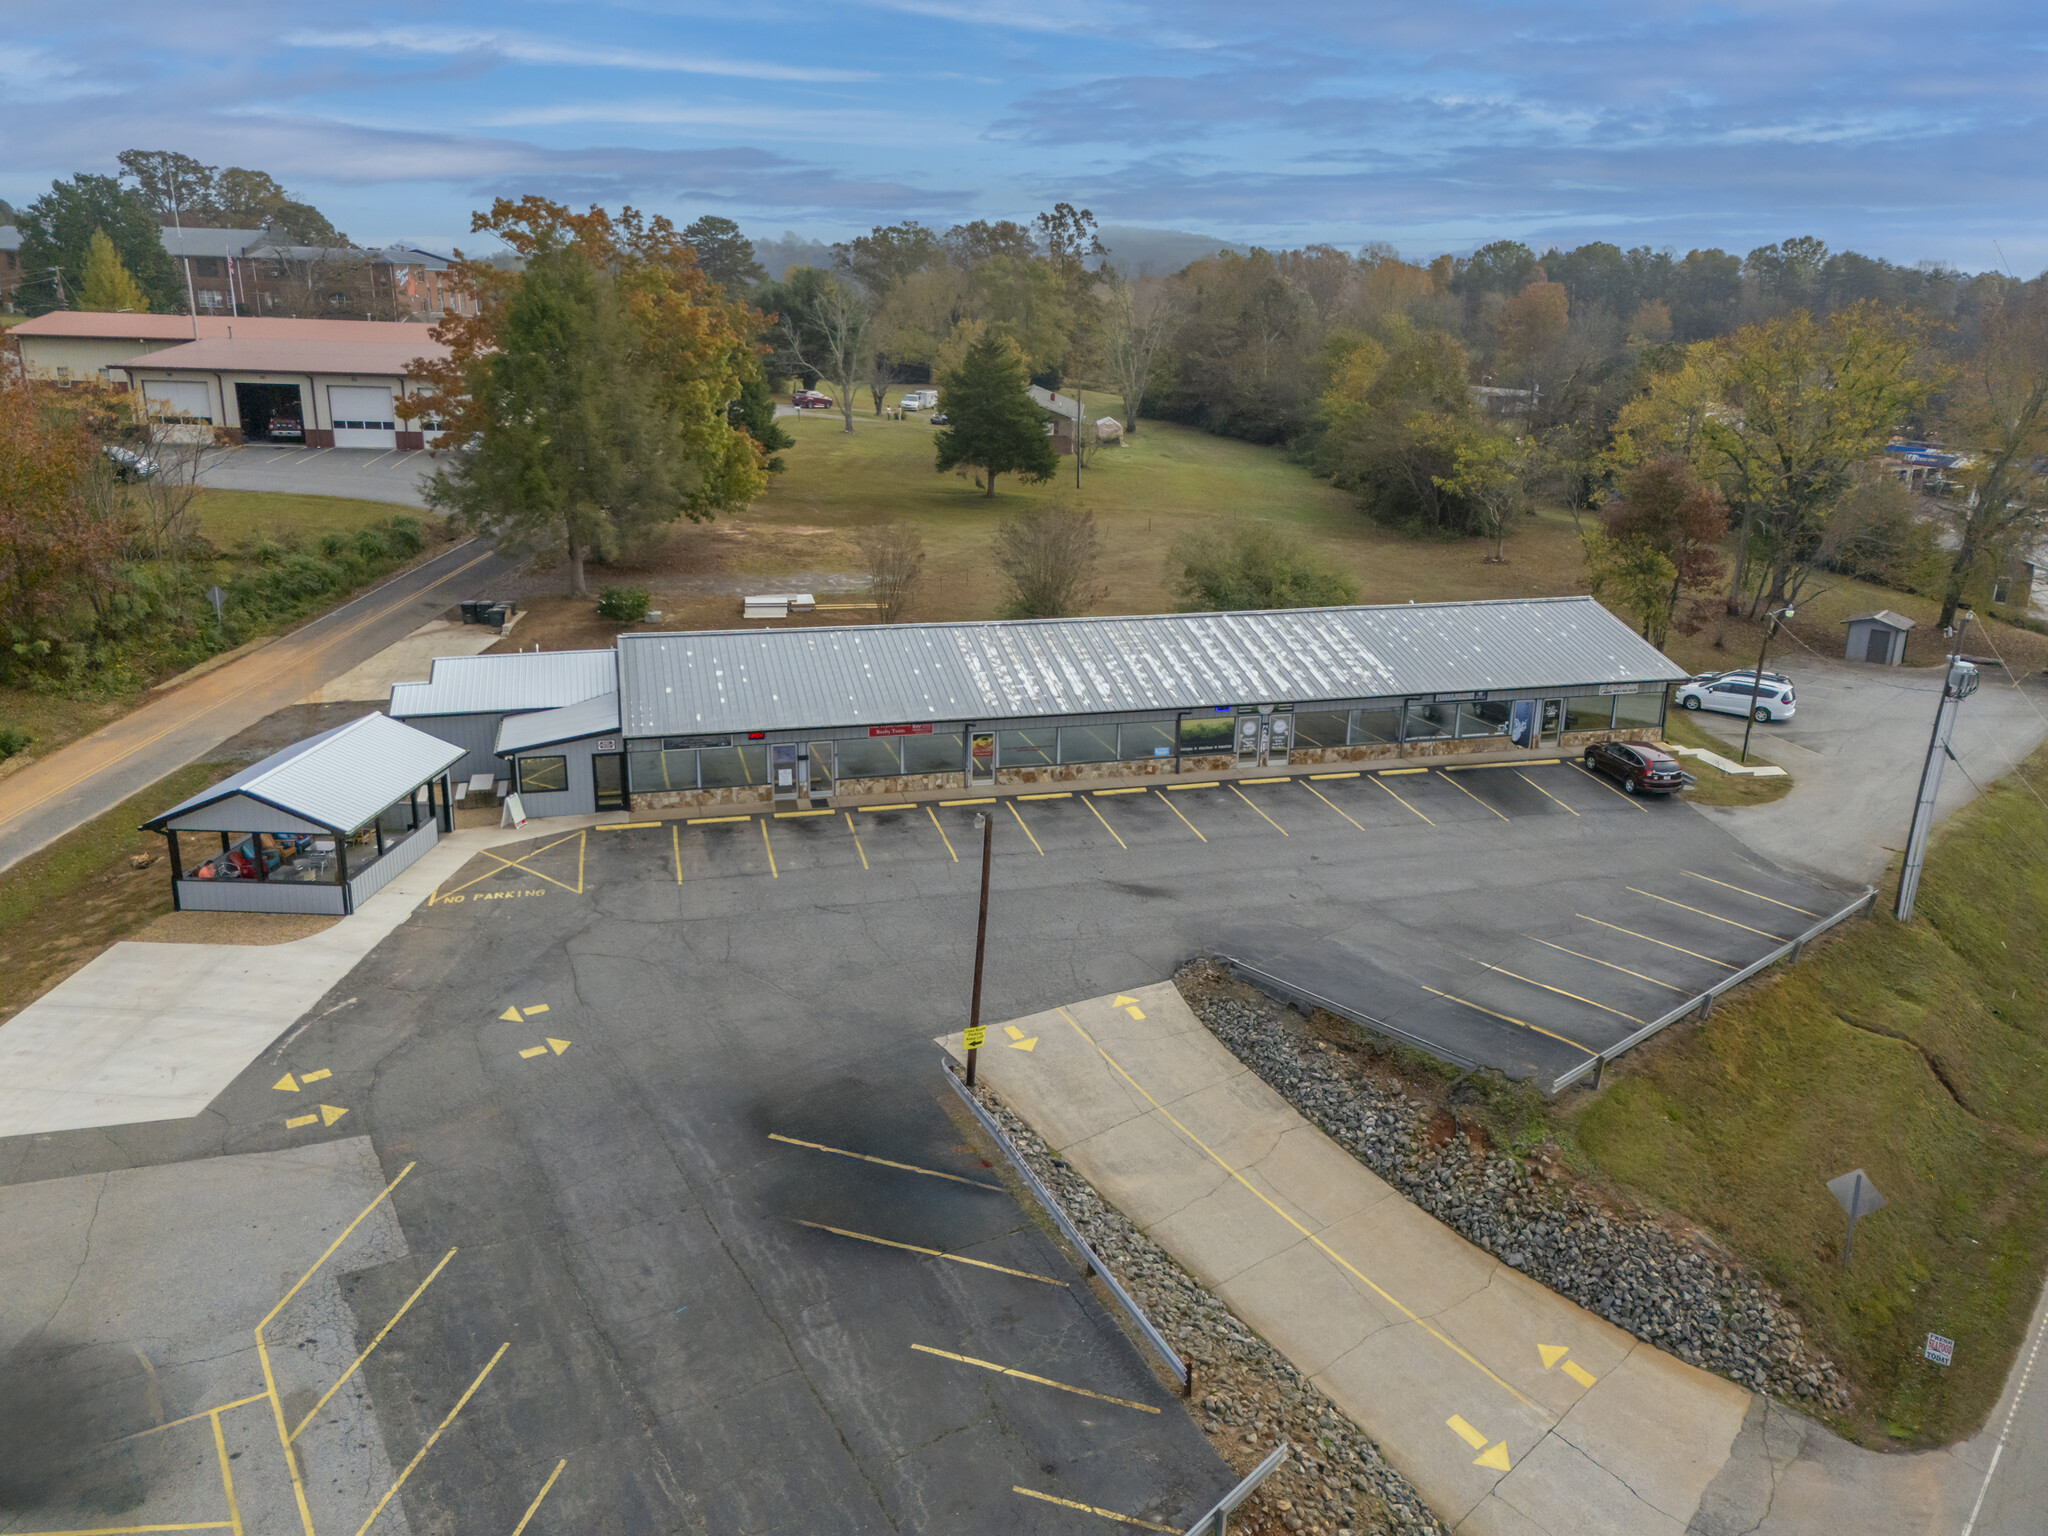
pixel 893 556
pixel 1137 320
pixel 1047 557
pixel 836 339
pixel 165 522
pixel 2000 410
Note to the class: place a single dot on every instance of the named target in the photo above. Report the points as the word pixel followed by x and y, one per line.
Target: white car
pixel 1739 693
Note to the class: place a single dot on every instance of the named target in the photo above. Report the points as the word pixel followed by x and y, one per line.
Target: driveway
pixel 1855 750
pixel 369 474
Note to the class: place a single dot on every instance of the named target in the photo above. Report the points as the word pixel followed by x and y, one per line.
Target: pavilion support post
pixel 177 869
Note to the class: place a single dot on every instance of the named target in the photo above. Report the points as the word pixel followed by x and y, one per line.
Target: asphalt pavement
pixel 371 474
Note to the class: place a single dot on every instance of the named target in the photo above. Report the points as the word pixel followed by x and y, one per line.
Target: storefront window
pixel 1375 725
pixel 1590 712
pixel 936 753
pixel 543 775
pixel 1140 740
pixel 653 770
pixel 1087 743
pixel 1322 728
pixel 1205 733
pixel 1486 718
pixel 871 757
pixel 1429 722
pixel 730 767
pixel 1036 748
pixel 1637 711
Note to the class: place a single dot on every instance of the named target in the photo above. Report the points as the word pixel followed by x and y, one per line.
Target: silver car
pixel 1769 699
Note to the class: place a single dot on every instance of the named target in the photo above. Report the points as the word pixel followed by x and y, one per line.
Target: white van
pixel 927 399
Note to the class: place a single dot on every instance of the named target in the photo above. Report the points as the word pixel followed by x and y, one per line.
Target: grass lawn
pixel 1712 786
pixel 1890 1048
pixel 230 518
pixel 61 907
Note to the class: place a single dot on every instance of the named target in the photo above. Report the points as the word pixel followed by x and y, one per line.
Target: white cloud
pixel 514 48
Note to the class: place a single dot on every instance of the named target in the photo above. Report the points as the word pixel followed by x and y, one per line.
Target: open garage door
pixel 362 416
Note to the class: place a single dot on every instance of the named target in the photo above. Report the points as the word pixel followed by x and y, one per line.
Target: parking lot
pixel 394 475
pixel 667 1092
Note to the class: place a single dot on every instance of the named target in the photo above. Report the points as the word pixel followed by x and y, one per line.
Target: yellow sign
pixel 973 1038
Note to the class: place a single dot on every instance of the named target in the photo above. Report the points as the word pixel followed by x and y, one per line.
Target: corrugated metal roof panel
pixel 733 680
pixel 572 722
pixel 508 682
pixel 341 778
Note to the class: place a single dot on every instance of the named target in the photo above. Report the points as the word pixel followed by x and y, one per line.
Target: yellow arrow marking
pixel 536 1008
pixel 557 1046
pixel 1013 1032
pixel 330 1114
pixel 532 1051
pixel 298 1120
pixel 1496 1459
pixel 1579 1373
pixel 316 1076
pixel 1135 1011
pixel 1024 1045
pixel 1124 1002
pixel 1466 1432
pixel 511 1014
pixel 1552 1353
pixel 285 1084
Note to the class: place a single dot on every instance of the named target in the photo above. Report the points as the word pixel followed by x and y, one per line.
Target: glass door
pixel 608 770
pixel 981 758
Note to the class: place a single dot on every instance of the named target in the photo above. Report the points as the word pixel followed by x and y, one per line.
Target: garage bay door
pixel 362 416
pixel 178 400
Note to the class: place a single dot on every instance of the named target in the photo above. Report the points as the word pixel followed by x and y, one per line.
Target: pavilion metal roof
pixel 763 680
pixel 339 779
pixel 507 683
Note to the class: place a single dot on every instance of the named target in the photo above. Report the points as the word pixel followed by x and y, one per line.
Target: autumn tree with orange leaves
pixel 587 398
pixel 60 534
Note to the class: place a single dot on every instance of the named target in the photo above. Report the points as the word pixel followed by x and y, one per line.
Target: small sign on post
pixel 1941 1351
pixel 215 596
pixel 975 1037
pixel 1854 1192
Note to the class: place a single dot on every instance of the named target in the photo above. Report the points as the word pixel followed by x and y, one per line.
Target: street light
pixel 1756 682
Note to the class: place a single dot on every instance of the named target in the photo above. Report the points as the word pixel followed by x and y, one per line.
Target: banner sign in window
pixel 901 730
pixel 684 743
pixel 1621 687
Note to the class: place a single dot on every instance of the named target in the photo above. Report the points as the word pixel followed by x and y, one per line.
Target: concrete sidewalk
pixel 155 1031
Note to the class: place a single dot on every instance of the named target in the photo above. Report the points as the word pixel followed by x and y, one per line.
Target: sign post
pixel 976 1032
pixel 1854 1192
pixel 215 596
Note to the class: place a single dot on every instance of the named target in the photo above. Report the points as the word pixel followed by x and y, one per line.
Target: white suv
pixel 1739 693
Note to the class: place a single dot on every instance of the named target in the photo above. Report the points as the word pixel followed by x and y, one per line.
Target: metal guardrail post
pixel 1217 1521
pixel 1182 1371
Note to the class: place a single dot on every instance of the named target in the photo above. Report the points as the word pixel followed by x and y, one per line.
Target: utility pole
pixel 1756 682
pixel 974 1031
pixel 1077 439
pixel 1957 686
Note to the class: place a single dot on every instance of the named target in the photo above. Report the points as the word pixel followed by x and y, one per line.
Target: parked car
pixel 811 400
pixel 1639 769
pixel 940 418
pixel 129 464
pixel 285 429
pixel 1744 674
pixel 1740 693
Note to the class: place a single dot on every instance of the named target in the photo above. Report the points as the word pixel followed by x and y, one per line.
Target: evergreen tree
pixel 57 230
pixel 754 413
pixel 106 285
pixel 991 422
pixel 725 255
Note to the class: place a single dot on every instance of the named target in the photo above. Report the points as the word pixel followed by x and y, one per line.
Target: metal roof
pixel 340 779
pixel 1883 616
pixel 732 680
pixel 507 683
pixel 195 240
pixel 595 716
pixel 384 356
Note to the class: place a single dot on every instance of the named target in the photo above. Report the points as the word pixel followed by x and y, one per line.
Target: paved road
pixel 361 472
pixel 1855 749
pixel 91 776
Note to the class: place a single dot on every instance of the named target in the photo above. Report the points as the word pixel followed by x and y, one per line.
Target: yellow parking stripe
pixel 1107 827
pixel 1507 1018
pixel 984 800
pixel 1020 822
pixel 1546 794
pixel 1383 784
pixel 1639 976
pixel 792 815
pixel 1092 1509
pixel 1205 784
pixel 1385 771
pixel 703 821
pixel 942 832
pixel 1560 991
pixel 622 826
pixel 1135 789
pixel 906 806
pixel 1043 1381
pixel 773 872
pixel 1063 794
pixel 1759 895
pixel 1461 789
pixel 856 840
pixel 865 1157
pixel 1247 799
pixel 1703 912
pixel 1184 821
pixel 1631 799
pixel 1328 801
pixel 1354 773
pixel 932 1253
pixel 1724 964
pixel 1285 778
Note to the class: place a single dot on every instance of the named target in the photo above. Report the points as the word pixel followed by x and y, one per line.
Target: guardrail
pixel 1182 1371
pixel 1703 1003
pixel 1266 981
pixel 1217 1521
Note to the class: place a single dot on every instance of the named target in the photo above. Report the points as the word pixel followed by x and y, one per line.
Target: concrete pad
pixel 1650 1399
pixel 1239 1119
pixel 1313 1312
pixel 1231 1230
pixel 1559 1489
pixel 1312 1176
pixel 1508 1321
pixel 1424 1264
pixel 410 660
pixel 1153 1169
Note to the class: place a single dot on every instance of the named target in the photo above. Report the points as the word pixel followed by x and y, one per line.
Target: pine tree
pixel 992 423
pixel 107 285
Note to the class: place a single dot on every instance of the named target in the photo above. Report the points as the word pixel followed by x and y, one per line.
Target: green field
pixel 230 518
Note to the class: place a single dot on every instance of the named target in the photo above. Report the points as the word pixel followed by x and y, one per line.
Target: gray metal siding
pixel 380 874
pixel 477 735
pixel 259 896
pixel 580 798
pixel 238 813
pixel 685 684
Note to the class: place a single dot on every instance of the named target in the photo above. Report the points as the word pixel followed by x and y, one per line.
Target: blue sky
pixel 1913 132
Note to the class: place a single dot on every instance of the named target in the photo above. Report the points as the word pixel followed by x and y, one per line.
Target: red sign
pixel 900 730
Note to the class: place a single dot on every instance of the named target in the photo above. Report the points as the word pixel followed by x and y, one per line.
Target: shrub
pixel 370 546
pixel 13 740
pixel 622 605
pixel 404 536
pixel 334 545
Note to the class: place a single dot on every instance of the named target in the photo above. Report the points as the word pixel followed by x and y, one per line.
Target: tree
pixel 177 188
pixel 835 338
pixel 1138 319
pixel 971 245
pixel 893 556
pixel 1070 240
pixel 58 541
pixel 753 412
pixel 1665 511
pixel 881 259
pixel 1634 575
pixel 1393 421
pixel 1047 557
pixel 105 284
pixel 1999 410
pixel 726 255
pixel 1255 565
pixel 57 230
pixel 991 422
pixel 1486 473
pixel 1529 325
pixel 253 200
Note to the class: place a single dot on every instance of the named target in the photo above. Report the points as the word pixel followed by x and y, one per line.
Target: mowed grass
pixel 228 519
pixel 1712 786
pixel 1916 1052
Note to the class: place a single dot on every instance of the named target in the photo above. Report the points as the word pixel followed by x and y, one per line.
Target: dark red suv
pixel 1639 769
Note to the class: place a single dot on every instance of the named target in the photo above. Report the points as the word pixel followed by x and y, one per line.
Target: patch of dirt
pixel 231 928
pixel 289 726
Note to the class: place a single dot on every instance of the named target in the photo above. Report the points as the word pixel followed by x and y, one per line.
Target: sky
pixel 1910 132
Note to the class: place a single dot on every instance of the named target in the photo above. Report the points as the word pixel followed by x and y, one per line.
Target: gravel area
pixel 1247 1395
pixel 1674 1290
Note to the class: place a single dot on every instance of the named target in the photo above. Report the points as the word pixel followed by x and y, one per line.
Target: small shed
pixel 1878 638
pixel 318 828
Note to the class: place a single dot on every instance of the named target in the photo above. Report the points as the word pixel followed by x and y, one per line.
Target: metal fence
pixel 1182 1372
pixel 1280 986
pixel 1703 1003
pixel 1217 1521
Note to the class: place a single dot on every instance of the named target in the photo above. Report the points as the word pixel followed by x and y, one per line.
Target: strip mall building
pixel 847 716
